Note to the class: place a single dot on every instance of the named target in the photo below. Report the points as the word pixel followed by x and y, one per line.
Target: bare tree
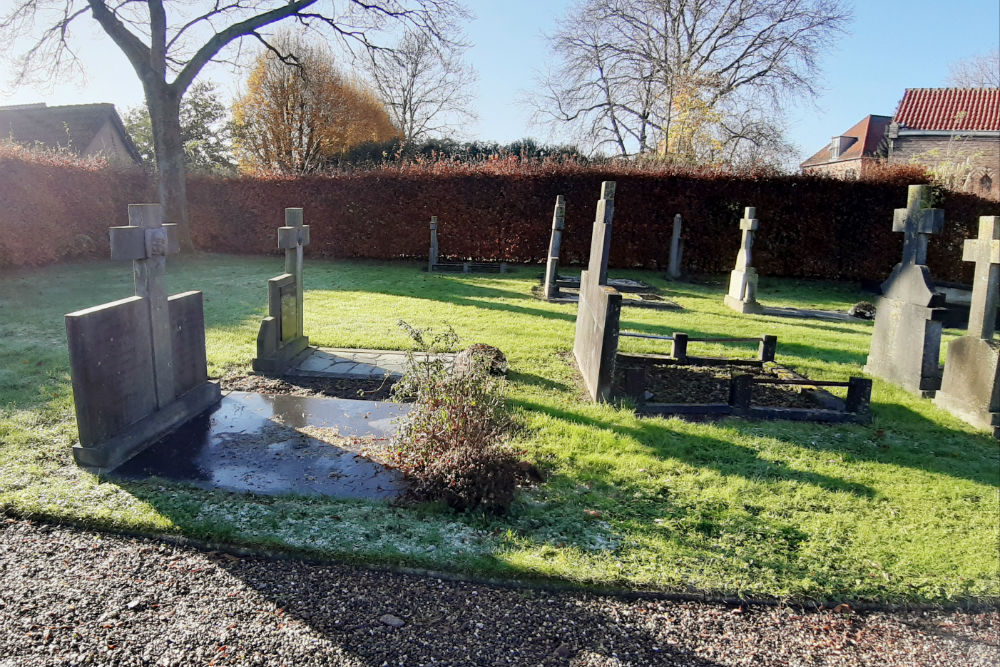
pixel 168 52
pixel 425 85
pixel 982 71
pixel 629 74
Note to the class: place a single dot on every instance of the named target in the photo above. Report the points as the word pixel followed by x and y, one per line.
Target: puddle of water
pixel 252 443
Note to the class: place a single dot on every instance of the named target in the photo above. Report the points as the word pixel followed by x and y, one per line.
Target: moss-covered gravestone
pixel 138 365
pixel 281 339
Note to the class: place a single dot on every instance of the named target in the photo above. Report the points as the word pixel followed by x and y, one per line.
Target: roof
pixel 72 126
pixel 957 109
pixel 866 134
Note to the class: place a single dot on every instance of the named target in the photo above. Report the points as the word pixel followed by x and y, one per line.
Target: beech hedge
pixel 810 227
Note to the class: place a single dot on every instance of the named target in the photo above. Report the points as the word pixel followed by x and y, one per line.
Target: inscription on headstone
pixel 970 388
pixel 280 338
pixel 138 365
pixel 742 295
pixel 906 343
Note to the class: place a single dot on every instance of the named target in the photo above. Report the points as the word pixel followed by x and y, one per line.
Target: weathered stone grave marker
pixel 281 338
pixel 551 287
pixel 676 249
pixel 432 257
pixel 138 365
pixel 742 294
pixel 433 263
pixel 970 388
pixel 596 343
pixel 906 344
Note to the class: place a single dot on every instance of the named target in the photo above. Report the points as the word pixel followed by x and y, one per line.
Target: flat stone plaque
pixel 289 313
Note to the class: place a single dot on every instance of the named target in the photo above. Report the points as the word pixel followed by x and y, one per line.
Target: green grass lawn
pixel 903 510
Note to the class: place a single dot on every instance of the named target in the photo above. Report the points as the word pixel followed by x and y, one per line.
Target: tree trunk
pixel 164 112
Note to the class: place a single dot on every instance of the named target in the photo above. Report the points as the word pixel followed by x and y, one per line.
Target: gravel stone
pixel 65 597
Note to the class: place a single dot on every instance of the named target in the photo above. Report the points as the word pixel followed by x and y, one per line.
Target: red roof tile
pixel 867 132
pixel 959 109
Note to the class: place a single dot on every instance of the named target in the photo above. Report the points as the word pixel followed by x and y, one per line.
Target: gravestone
pixel 676 249
pixel 138 365
pixel 906 343
pixel 970 388
pixel 432 257
pixel 742 294
pixel 551 287
pixel 597 320
pixel 280 338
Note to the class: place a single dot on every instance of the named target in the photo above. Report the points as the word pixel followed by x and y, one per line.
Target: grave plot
pixel 433 263
pixel 692 387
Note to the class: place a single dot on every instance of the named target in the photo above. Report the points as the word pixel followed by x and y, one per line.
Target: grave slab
pixel 355 364
pixel 273 445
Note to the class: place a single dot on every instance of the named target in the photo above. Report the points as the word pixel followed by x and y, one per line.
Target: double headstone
pixel 971 385
pixel 906 344
pixel 676 250
pixel 551 287
pixel 597 320
pixel 138 365
pixel 280 339
pixel 742 295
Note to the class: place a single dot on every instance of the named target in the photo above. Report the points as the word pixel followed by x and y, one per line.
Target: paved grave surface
pixel 277 445
pixel 808 314
pixel 355 364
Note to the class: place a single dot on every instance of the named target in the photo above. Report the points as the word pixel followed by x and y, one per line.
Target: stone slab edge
pixel 291 352
pixel 141 434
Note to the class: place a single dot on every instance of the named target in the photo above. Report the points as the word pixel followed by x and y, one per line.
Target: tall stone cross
pixel 146 242
pixel 985 252
pixel 749 224
pixel 292 238
pixel 916 223
pixel 742 294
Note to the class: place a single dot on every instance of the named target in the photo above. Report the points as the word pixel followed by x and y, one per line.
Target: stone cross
pixel 676 249
pixel 749 224
pixel 292 238
pixel 432 258
pixel 916 223
pixel 552 264
pixel 742 295
pixel 985 252
pixel 146 242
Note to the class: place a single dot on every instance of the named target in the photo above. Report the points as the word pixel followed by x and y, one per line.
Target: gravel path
pixel 76 597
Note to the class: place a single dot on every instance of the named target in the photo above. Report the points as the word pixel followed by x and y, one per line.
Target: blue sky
pixel 891 45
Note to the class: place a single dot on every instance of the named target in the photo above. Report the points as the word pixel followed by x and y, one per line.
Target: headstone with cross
pixel 742 295
pixel 280 339
pixel 597 320
pixel 676 249
pixel 971 385
pixel 551 286
pixel 138 365
pixel 906 343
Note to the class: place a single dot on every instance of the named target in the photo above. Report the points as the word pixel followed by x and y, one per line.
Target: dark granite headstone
pixel 906 344
pixel 597 321
pixel 280 338
pixel 138 365
pixel 551 286
pixel 970 388
pixel 676 249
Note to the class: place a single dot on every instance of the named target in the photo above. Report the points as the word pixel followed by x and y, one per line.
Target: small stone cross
pixel 146 241
pixel 985 252
pixel 292 238
pixel 749 224
pixel 916 223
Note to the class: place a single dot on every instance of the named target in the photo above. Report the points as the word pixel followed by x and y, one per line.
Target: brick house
pixel 849 153
pixel 954 132
pixel 87 130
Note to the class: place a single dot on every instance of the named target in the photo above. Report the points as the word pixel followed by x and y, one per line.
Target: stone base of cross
pixel 970 388
pixel 280 339
pixel 742 295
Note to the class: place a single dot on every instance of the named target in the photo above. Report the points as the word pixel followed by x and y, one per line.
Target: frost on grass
pixel 369 529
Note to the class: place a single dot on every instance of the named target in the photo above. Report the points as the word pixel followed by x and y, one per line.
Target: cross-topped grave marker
pixel 742 295
pixel 971 385
pixel 281 338
pixel 596 343
pixel 138 365
pixel 906 343
pixel 551 287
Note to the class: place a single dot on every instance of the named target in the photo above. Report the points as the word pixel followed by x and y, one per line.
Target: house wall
pixel 840 169
pixel 108 143
pixel 959 161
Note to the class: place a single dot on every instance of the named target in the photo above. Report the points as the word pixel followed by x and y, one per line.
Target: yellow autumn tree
pixel 300 111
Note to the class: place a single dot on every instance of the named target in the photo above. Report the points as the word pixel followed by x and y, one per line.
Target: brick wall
pixel 960 162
